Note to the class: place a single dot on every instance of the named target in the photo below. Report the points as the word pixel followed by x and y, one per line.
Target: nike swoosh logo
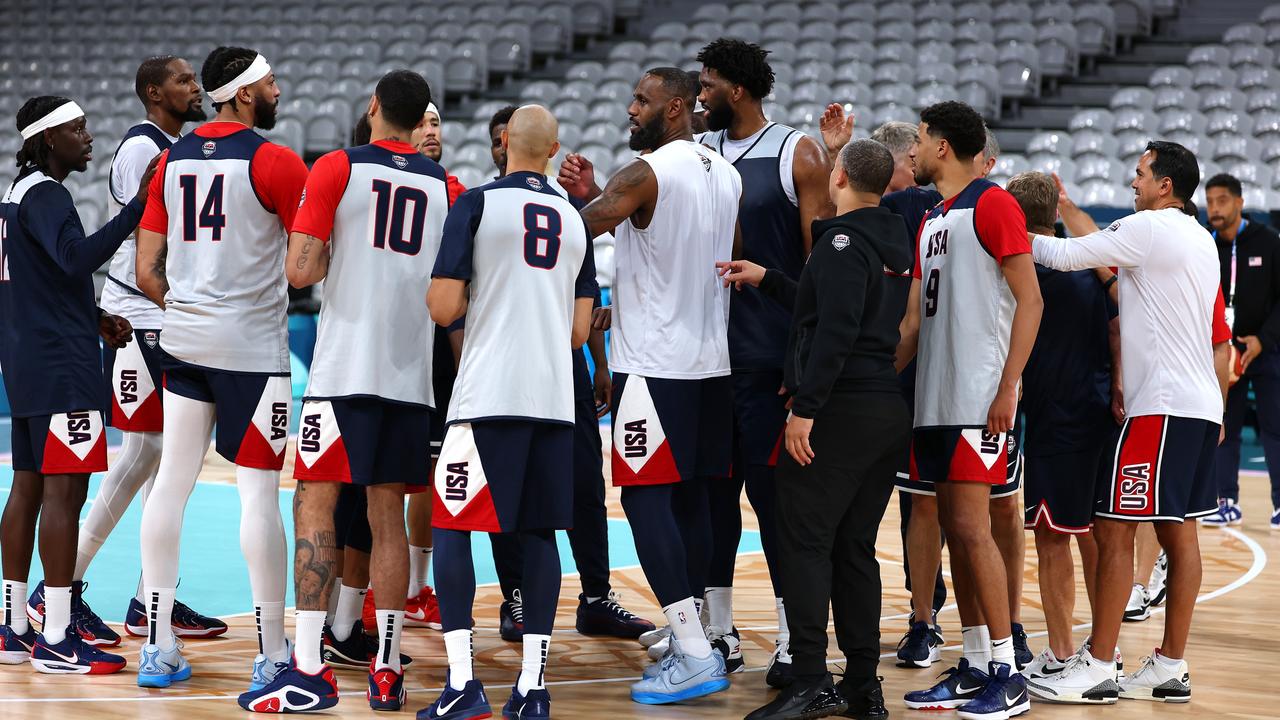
pixel 691 677
pixel 961 689
pixel 172 668
pixel 444 709
pixel 75 657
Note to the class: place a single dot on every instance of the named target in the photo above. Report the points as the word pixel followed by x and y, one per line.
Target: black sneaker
pixel 729 645
pixel 606 617
pixel 803 700
pixel 1022 654
pixel 864 700
pixel 354 653
pixel 779 674
pixel 511 618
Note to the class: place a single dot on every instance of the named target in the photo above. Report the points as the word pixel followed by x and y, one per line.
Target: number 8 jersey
pixel 382 209
pixel 966 307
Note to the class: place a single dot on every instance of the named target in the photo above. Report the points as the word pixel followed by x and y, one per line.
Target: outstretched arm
pixel 630 191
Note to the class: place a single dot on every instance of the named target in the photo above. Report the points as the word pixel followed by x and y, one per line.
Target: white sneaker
pixel 1157 683
pixel 653 637
pixel 659 649
pixel 1083 681
pixel 1139 607
pixel 1087 645
pixel 1045 665
pixel 1158 587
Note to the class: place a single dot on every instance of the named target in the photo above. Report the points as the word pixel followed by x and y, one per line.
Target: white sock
pixel 349 608
pixel 720 608
pixel 308 634
pixel 457 645
pixel 390 623
pixel 700 607
pixel 784 634
pixel 15 611
pixel 984 632
pixel 687 629
pixel 975 648
pixel 534 664
pixel 159 609
pixel 133 467
pixel 419 569
pixel 57 613
pixel 1002 652
pixel 332 610
pixel 1168 663
pixel 270 617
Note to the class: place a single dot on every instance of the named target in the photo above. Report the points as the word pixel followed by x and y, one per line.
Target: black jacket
pixel 1257 291
pixel 847 307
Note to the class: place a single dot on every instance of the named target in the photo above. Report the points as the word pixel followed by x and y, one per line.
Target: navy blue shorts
pixel 364 441
pixel 759 416
pixel 1061 489
pixel 963 455
pixel 69 443
pixel 251 410
pixel 1160 468
pixel 504 476
pixel 136 376
pixel 668 430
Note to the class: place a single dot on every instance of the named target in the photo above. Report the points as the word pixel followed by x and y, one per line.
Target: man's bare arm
pixel 149 265
pixel 810 174
pixel 1076 221
pixel 630 190
pixel 447 300
pixel 908 329
pixel 308 260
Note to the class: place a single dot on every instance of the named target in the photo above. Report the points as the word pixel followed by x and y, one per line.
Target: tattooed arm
pixel 150 265
pixel 632 192
pixel 308 260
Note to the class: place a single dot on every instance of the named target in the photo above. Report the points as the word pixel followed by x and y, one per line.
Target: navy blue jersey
pixel 1067 382
pixel 49 350
pixel 912 204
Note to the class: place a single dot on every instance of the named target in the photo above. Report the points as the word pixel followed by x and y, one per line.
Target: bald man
pixel 507 460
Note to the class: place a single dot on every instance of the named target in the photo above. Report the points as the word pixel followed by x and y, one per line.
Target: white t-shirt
pixel 1169 282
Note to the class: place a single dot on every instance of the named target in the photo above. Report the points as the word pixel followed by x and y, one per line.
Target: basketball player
pixel 49 328
pixel 974 279
pixel 784 183
pixel 673 212
pixel 508 450
pixel 1067 401
pixel 210 249
pixel 369 226
pixel 1175 386
pixel 167 87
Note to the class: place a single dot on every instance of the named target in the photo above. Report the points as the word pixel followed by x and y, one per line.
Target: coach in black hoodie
pixel 846 435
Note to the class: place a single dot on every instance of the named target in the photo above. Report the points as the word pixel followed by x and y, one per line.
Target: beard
pixel 922 176
pixel 194 113
pixel 647 136
pixel 719 117
pixel 264 113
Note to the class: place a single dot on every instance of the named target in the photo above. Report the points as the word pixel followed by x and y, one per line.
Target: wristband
pixel 1107 285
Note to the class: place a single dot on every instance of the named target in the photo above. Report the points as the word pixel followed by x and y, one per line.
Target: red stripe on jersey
pixel 1000 224
pixel 1138 466
pixel 326 185
pixel 1221 330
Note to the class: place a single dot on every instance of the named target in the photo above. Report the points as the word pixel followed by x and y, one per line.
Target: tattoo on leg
pixel 314 561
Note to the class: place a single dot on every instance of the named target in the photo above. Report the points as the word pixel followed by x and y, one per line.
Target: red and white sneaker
pixel 422 611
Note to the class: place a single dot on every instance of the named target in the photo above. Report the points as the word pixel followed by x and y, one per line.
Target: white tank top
pixel 670 311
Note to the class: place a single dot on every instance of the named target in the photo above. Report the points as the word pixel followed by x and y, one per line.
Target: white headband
pixel 65 112
pixel 257 70
pixel 431 108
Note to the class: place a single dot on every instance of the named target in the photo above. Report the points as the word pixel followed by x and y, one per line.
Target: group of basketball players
pixel 693 381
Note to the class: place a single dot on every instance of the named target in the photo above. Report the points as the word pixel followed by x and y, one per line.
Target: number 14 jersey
pixel 966 307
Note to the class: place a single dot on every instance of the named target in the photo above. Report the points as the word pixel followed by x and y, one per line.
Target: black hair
pixel 676 82
pixel 502 117
pixel 404 96
pixel 1228 182
pixel 868 165
pixel 361 134
pixel 35 151
pixel 740 62
pixel 1179 164
pixel 152 71
pixel 222 66
pixel 957 123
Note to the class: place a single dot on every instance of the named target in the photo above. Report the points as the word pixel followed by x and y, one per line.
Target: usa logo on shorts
pixel 534 183
pixel 400 161
pixel 208 148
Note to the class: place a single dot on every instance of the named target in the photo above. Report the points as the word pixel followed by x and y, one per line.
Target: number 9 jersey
pixel 382 209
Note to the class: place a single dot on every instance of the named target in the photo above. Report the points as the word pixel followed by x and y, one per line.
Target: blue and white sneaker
pixel 15 649
pixel 73 656
pixel 469 703
pixel 959 685
pixel 1005 696
pixel 293 691
pixel 919 647
pixel 265 669
pixel 159 668
pixel 681 677
pixel 386 689
pixel 1228 513
pixel 84 621
pixel 534 706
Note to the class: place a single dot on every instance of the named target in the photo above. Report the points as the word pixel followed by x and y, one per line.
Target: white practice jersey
pixel 670 309
pixel 527 254
pixel 966 307
pixel 1168 284
pixel 382 208
pixel 120 294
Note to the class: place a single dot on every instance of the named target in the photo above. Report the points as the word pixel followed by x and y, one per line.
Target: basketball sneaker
pixel 1087 645
pixel 779 674
pixel 1275 519
pixel 84 621
pixel 865 700
pixel 1046 664
pixel 186 623
pixel 73 656
pixel 959 685
pixel 1228 513
pixel 660 649
pixel 1139 607
pixel 1158 587
pixel 1158 680
pixel 919 647
pixel 1005 696
pixel 469 703
pixel 653 637
pixel 15 649
pixel 536 705
pixel 1084 681
pixel 681 677
pixel 1022 655
pixel 356 652
pixel 803 700
pixel 265 670
pixel 419 611
pixel 293 691
pixel 159 668
pixel 511 618
pixel 386 689
pixel 729 645
pixel 608 618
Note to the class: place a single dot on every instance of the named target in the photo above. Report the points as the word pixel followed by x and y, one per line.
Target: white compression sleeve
pixel 263 544
pixel 134 466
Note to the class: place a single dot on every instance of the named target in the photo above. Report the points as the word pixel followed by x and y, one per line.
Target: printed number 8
pixel 541 236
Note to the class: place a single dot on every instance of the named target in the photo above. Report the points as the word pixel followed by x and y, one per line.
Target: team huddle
pixel 917 335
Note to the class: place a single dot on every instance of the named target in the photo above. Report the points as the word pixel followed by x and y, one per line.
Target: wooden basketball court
pixel 1233 641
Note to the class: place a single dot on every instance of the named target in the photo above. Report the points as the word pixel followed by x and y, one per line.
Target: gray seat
pixel 1237 147
pixel 980 53
pixel 1271 152
pixel 1173 97
pixel 1251 78
pixel 1096 25
pixel 971 32
pixel 896 30
pixel 935 54
pixel 1246 57
pixel 936 9
pixel 974 12
pixel 1133 17
pixel 326 133
pixel 894 73
pixel 1019 66
pixel 1177 120
pixel 931 94
pixel 1245 34
pixel 1059 49
pixel 590 71
pixel 855 51
pixel 1015 31
pixel 934 30
pixel 889 11
pixel 1049 142
pixel 1213 77
pixel 898 94
pixel 1217 55
pixel 1228 122
pixel 1266 125
pixel 1261 99
pixel 780 31
pixel 1131 144
pixel 1092 142
pixel 1098 193
pixel 979 86
pixel 1052 163
pixel 1096 119
pixel 1054 13
pixel 1008 12
pixel 930 73
pixel 1222 99
pixel 1170 75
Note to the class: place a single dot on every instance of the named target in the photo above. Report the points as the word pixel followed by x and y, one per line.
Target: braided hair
pixel 34 153
pixel 222 66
